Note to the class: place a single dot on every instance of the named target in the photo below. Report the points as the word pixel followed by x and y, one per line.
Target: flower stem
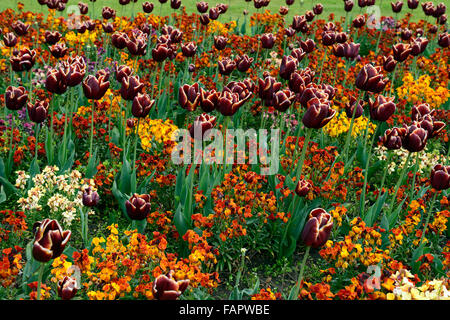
pixel 366 172
pixel 397 186
pixel 428 218
pixel 41 273
pixel 349 133
pixel 302 156
pixel 91 139
pixel 300 275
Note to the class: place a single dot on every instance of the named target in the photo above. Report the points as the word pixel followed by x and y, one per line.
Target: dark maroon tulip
pixel 341 37
pixel 108 13
pixel 283 99
pixel 90 197
pixel 298 54
pixel 23 61
pixel 122 72
pixel 300 24
pixel 15 98
pixel 244 88
pixel 67 288
pixel 162 1
pixel 142 105
pixel 189 49
pixel 289 2
pixel 413 4
pixel 348 50
pixel 95 88
pixel 288 65
pixel 310 92
pixel 283 10
pixel 208 100
pixel 444 40
pixel 243 63
pixel 371 79
pixel 167 288
pixel 83 7
pixel 226 66
pixel 362 3
pixel 393 138
pixel 328 38
pixel 359 21
pixel 267 40
pixel 61 6
pixel 131 86
pixel 52 4
pixel 189 96
pixel 441 20
pixel 55 81
pixel 300 79
pixel 389 63
pixel 175 4
pixel 119 40
pixel 147 7
pixel 420 111
pixel 214 13
pixel 267 88
pixel 348 5
pixel 418 46
pixel 318 114
pixel 58 50
pixel 220 42
pixel 440 177
pixel 124 2
pixel 20 28
pixel 415 138
pixel 302 188
pixel 432 126
pixel 137 43
pixel 309 15
pixel 289 32
pixel 328 89
pixel 439 10
pixel 228 103
pixel 308 45
pixel 10 39
pixel 202 124
pixel 401 51
pixel 382 108
pixel 397 6
pixel 81 28
pixel 75 70
pixel 350 108
pixel 161 52
pixel 90 25
pixel 42 2
pixel 49 240
pixel 318 228
pixel 222 7
pixel 204 19
pixel 406 34
pixel 428 8
pixel 138 206
pixel 52 37
pixel 318 9
pixel 202 6
pixel 108 27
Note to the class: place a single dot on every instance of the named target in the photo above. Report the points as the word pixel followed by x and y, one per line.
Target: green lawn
pixel 234 12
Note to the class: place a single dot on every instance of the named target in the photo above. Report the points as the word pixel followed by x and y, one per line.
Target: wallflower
pixel 341 124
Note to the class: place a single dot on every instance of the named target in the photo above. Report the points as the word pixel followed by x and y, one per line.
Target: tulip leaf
pixel 91 168
pixel 374 210
pixel 180 221
pixel 395 214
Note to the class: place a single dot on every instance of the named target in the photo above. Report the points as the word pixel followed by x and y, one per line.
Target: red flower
pixel 318 228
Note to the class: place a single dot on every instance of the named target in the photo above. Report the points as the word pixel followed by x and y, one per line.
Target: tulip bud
pixel 131 86
pixel 52 37
pixel 95 88
pixel 267 40
pixel 397 6
pixel 389 63
pixel 302 188
pixel 440 177
pixel 348 5
pixel 350 108
pixel 23 61
pixel 318 228
pixel 415 138
pixel 67 288
pixel 49 240
pixel 142 105
pixel 175 4
pixel 56 81
pixel 444 40
pixel 226 66
pixel 10 40
pixel 318 114
pixel 189 96
pixel 90 197
pixel 166 288
pixel 202 7
pixel 20 28
pixel 38 112
pixel 370 79
pixel 15 98
pixel 287 67
pixel 382 108
pixel 189 49
pixel 138 206
pixel 147 7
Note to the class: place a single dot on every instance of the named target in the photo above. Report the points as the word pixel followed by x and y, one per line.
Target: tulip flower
pixel 138 206
pixel 308 45
pixel 444 40
pixel 283 10
pixel 204 19
pixel 15 98
pixel 413 4
pixel 38 111
pixel 142 105
pixel 267 40
pixel 267 88
pixel 310 92
pixel 189 49
pixel 56 81
pixel 341 37
pixel 283 99
pixel 418 46
pixel 440 177
pixel 10 40
pixel 393 138
pixel 108 27
pixel 23 61
pixel 300 24
pixel 318 228
pixel 348 5
pixel 228 103
pixel 318 114
pixel 389 63
pixel 208 100
pixel 302 188
pixel 401 51
pixel 202 124
pixel 167 288
pixel 58 50
pixel 415 138
pixel 189 96
pixel 175 4
pixel 406 34
pixel 350 108
pixel 397 6
pixel 371 79
pixel 328 38
pixel 161 52
pixel 90 197
pixel 309 15
pixel 52 37
pixel 226 66
pixel 131 86
pixel 318 9
pixel 67 288
pixel 359 21
pixel 83 7
pixel 119 40
pixel 382 108
pixel 147 7
pixel 95 88
pixel 287 67
pixel 243 63
pixel 243 88
pixel 220 42
pixel 49 240
pixel 20 28
pixel 202 6
pixel 214 13
pixel 108 13
pixel 432 126
pixel 420 111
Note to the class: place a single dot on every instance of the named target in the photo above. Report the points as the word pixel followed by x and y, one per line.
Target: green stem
pixel 397 186
pixel 349 133
pixel 416 167
pixel 91 138
pixel 366 171
pixel 428 218
pixel 302 156
pixel 41 273
pixel 300 275
pixel 321 67
pixel 36 148
pixel 136 142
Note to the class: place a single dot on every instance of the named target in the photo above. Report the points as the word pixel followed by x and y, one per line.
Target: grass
pixel 235 11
